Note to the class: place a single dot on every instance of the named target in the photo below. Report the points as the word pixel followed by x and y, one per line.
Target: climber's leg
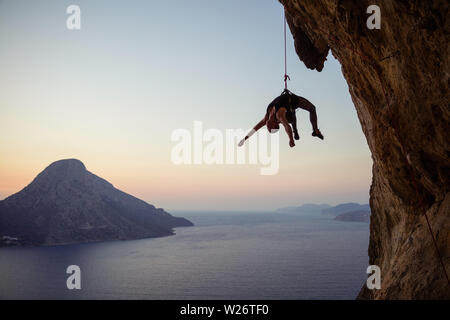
pixel 312 114
pixel 308 106
pixel 291 117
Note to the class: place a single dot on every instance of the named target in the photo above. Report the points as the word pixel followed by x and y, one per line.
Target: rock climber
pixel 282 110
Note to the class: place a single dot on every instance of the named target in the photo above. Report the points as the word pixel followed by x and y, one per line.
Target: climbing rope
pixel 286 77
pixel 387 100
pixel 420 198
pixel 437 249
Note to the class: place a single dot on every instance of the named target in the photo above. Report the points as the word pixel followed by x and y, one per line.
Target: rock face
pixel 354 216
pixel 67 204
pixel 398 79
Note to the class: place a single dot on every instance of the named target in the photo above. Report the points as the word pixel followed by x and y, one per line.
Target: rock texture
pixel 67 204
pixel 398 78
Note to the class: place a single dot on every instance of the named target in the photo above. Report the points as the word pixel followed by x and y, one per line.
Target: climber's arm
pixel 258 126
pixel 282 116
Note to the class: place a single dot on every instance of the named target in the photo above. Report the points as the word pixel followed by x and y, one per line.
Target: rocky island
pixel 345 208
pixel 354 216
pixel 66 204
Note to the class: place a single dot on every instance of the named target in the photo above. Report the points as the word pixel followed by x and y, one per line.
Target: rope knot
pixel 286 78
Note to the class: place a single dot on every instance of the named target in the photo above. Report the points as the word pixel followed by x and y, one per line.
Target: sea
pixel 226 255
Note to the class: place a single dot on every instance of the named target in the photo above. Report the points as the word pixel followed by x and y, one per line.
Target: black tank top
pixel 282 101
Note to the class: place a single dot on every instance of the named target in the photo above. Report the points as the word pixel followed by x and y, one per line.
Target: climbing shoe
pixel 317 134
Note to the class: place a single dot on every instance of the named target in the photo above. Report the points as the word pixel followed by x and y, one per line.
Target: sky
pixel 112 93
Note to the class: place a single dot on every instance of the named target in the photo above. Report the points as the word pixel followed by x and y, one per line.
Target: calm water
pixel 225 256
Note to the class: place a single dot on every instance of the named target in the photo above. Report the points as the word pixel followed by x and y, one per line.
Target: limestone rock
pixel 398 79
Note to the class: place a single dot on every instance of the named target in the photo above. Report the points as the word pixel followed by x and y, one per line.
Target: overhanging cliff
pixel 398 79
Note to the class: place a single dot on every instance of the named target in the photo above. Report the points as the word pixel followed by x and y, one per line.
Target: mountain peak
pixel 67 164
pixel 66 203
pixel 61 170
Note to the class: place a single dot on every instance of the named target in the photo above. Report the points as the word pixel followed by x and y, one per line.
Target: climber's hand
pixel 241 143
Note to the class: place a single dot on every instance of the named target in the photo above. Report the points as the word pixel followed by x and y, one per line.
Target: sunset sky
pixel 112 93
